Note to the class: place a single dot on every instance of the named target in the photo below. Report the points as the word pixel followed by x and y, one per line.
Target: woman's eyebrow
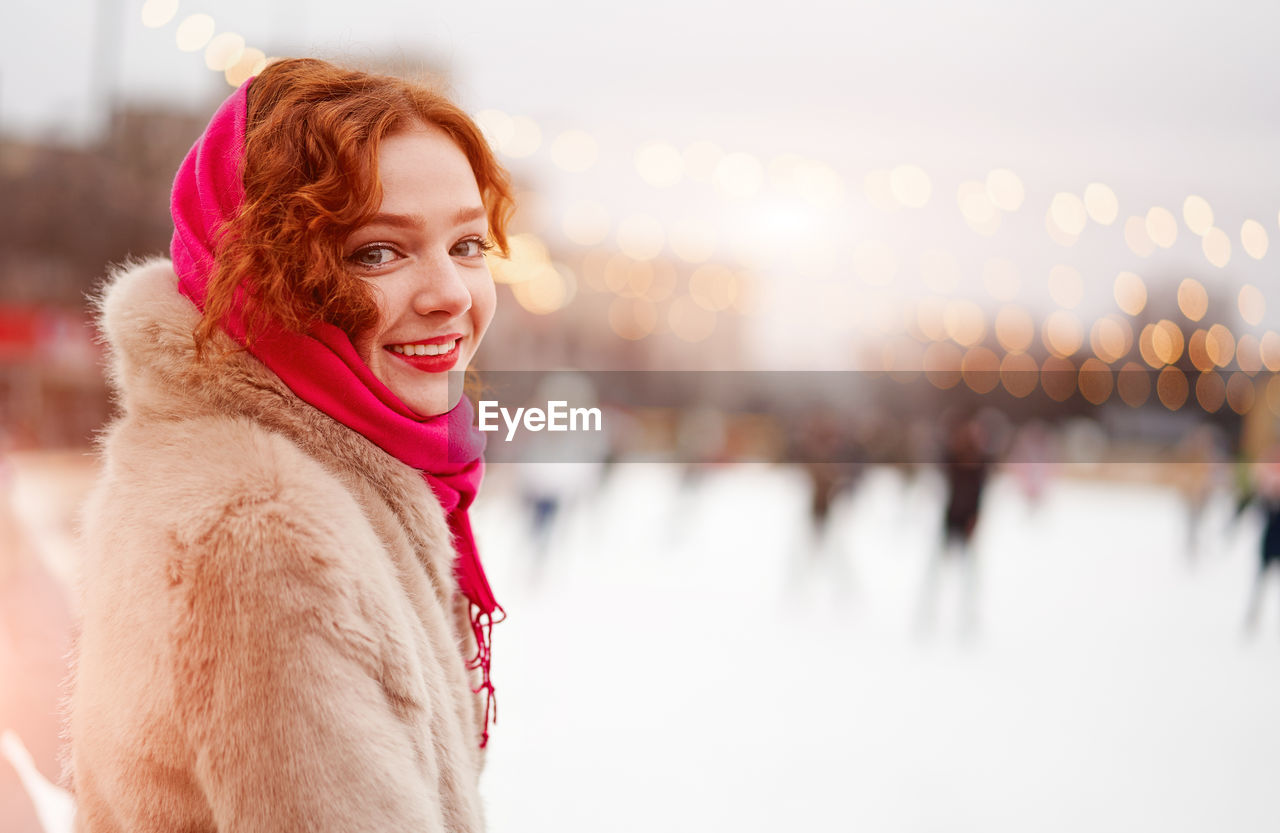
pixel 467 215
pixel 405 221
pixel 411 221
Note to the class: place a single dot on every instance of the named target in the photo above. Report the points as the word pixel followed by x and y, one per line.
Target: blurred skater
pixel 1202 475
pixel 1267 482
pixel 828 455
pixel 965 466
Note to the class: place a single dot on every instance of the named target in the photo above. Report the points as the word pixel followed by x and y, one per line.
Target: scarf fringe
pixel 482 627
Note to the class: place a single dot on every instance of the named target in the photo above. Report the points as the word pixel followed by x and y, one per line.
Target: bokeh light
pixel 526 138
pixel 1019 374
pixel 1056 234
pixel 1066 287
pixel 1136 237
pixel 1252 304
pixel 659 164
pixel 739 175
pixel 1058 378
pixel 1063 334
pixel 1161 227
pixel 1269 348
pixel 1167 342
pixel 632 318
pixel 910 185
pixel 1130 293
pixel 1068 213
pixel 252 62
pixel 878 188
pixel 1220 345
pixel 1095 381
pixel 629 278
pixel 812 181
pixel 1101 204
pixel 1146 346
pixel 497 126
pixel 1014 329
pixel 1193 300
pixel 1241 393
pixel 713 287
pixel 550 288
pixel 194 32
pixel 156 13
pixel 527 254
pixel 1197 214
pixel 1197 351
pixel 1211 391
pixel 1253 238
pixel 1172 388
pixel 1217 247
pixel 928 318
pixel 575 151
pixel 980 369
pixel 942 364
pixel 1249 354
pixel 977 208
pixel 1111 338
pixel 1005 189
pixel 964 322
pixel 1133 384
pixel 224 51
pixel 1273 395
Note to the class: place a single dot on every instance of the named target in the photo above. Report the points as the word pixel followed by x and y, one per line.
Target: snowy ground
pixel 683 663
pixel 672 668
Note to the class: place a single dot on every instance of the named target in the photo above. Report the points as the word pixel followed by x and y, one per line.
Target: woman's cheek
pixel 484 303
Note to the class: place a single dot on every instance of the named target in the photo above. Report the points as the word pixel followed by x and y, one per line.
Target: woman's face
pixel 424 256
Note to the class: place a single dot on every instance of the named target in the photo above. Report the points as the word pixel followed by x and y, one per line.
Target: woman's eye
pixel 373 256
pixel 471 247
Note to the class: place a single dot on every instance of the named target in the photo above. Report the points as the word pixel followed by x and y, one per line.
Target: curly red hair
pixel 311 179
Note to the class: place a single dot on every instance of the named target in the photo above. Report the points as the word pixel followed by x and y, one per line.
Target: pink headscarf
pixel 325 371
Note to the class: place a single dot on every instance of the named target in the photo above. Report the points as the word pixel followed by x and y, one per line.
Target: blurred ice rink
pixel 652 682
pixel 681 663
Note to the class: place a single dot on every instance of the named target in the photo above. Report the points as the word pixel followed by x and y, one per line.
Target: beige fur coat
pixel 272 636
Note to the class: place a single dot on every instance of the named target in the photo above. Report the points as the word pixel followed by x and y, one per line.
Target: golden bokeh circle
pixel 1172 388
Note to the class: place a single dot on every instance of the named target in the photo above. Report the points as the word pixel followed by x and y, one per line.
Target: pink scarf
pixel 325 371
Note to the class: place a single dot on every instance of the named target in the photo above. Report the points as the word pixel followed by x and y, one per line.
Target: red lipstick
pixel 431 364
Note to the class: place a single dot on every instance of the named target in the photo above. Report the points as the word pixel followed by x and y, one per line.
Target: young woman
pixel 285 620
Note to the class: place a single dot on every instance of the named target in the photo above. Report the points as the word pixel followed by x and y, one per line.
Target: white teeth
pixel 423 349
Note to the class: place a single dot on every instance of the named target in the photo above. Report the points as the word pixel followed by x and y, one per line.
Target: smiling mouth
pixel 425 349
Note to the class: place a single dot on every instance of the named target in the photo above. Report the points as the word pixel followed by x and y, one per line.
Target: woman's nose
pixel 442 288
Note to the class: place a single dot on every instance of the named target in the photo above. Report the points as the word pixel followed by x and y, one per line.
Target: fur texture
pixel 272 636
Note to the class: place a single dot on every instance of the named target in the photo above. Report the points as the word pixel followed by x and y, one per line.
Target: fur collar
pixel 148 328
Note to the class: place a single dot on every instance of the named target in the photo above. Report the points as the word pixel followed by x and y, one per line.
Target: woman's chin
pixel 432 403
